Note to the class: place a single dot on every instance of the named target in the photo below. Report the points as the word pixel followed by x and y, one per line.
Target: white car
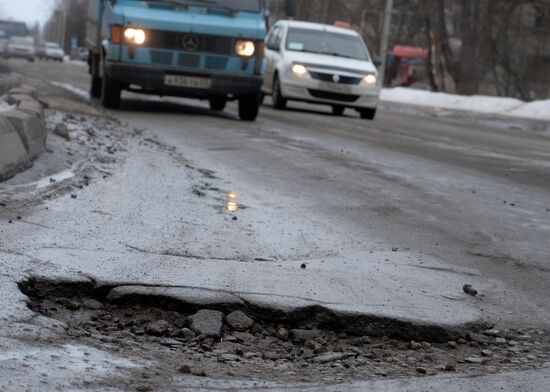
pixel 320 64
pixel 51 51
pixel 20 47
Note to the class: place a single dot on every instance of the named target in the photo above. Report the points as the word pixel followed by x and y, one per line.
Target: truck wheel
pixel 218 104
pixel 110 94
pixel 249 107
pixel 96 85
pixel 368 114
pixel 338 110
pixel 279 102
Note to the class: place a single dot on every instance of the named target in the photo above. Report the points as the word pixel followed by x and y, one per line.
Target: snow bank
pixel 538 110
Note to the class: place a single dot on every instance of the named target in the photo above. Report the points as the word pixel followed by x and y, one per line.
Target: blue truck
pixel 206 49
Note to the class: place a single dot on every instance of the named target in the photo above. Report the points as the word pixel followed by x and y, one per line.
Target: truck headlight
pixel 245 48
pixel 299 70
pixel 370 79
pixel 135 36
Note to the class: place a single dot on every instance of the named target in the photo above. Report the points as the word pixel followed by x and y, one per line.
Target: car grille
pixel 333 96
pixel 204 43
pixel 330 78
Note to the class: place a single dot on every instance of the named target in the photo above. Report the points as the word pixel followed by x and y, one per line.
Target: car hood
pixel 54 51
pixel 360 66
pixel 193 19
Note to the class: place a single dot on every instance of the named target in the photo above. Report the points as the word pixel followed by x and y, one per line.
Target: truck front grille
pixel 161 57
pixel 189 60
pixel 216 62
pixel 190 42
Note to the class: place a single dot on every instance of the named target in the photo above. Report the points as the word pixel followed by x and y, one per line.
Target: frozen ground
pixel 538 110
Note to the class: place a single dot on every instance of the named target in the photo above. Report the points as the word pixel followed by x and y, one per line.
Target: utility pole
pixel 386 30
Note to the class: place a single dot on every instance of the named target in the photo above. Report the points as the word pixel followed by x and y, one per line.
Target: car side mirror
pixel 274 47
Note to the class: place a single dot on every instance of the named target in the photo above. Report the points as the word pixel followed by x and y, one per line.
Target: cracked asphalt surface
pixel 389 218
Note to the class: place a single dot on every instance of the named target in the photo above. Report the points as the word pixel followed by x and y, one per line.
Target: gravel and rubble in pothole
pixel 237 344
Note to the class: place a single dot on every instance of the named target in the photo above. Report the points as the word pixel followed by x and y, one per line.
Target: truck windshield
pixel 234 5
pixel 324 42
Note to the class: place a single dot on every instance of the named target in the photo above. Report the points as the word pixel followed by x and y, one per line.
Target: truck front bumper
pixel 151 80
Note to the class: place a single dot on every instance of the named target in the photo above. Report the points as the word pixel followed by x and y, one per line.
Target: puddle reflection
pixel 232 204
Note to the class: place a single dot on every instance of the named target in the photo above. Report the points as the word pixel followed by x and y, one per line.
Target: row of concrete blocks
pixel 22 131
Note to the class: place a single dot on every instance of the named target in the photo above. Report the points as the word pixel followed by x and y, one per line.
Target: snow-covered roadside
pixel 75 90
pixel 538 110
pixel 5 107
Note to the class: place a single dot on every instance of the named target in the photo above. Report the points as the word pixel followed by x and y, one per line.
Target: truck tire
pixel 368 114
pixel 249 107
pixel 279 102
pixel 218 104
pixel 96 83
pixel 110 92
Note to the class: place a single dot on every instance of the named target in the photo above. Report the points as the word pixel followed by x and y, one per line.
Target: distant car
pixel 20 47
pixel 82 54
pixel 320 64
pixel 50 51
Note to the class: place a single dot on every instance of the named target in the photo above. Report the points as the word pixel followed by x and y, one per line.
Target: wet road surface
pixel 397 214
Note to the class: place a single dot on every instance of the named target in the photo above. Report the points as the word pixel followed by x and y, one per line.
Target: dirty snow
pixel 5 107
pixel 538 110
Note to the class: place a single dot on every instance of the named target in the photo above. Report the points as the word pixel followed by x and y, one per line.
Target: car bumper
pixel 151 80
pixel 20 55
pixel 315 91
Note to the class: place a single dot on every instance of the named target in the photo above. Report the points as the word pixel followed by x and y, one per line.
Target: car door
pixel 271 57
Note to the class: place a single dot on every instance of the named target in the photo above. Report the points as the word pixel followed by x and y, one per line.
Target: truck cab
pixel 205 49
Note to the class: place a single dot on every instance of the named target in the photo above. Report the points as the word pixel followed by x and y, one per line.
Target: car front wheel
pixel 368 114
pixel 338 110
pixel 279 102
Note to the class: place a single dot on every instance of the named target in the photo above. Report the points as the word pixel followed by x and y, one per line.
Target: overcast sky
pixel 28 11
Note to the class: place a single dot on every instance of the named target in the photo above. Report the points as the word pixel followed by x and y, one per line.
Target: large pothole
pixel 222 341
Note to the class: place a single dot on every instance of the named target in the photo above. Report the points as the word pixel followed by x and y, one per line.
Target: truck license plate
pixel 187 81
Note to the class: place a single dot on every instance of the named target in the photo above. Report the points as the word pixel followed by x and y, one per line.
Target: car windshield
pixel 52 46
pixel 22 41
pixel 325 42
pixel 233 5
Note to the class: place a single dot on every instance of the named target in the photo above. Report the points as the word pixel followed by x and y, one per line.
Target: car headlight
pixel 370 79
pixel 299 70
pixel 135 36
pixel 245 48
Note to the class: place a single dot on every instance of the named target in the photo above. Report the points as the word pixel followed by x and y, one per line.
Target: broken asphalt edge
pixel 264 308
pixel 23 131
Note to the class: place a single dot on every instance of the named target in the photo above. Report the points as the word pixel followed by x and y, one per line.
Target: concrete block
pixel 13 155
pixel 26 103
pixel 31 130
pixel 5 126
pixel 23 89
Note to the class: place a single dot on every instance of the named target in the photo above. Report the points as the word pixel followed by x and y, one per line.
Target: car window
pixel 52 46
pixel 271 39
pixel 325 42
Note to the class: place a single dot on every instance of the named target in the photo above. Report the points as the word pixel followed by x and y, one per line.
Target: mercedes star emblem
pixel 190 42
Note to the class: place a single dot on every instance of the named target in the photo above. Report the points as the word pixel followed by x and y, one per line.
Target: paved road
pixel 390 217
